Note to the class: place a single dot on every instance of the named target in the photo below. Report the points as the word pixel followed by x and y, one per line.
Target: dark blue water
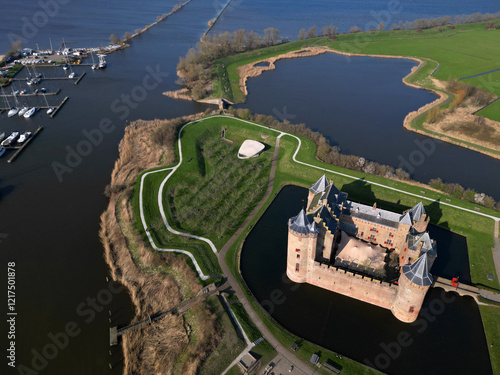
pixel 88 23
pixel 359 104
pixel 289 16
pixel 367 333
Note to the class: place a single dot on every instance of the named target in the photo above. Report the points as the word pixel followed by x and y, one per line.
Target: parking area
pixel 282 367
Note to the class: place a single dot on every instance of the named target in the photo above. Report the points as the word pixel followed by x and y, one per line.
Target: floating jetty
pixel 33 94
pixel 80 78
pixel 59 107
pixel 21 148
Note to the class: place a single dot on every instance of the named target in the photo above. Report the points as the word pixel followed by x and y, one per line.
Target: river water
pixel 49 222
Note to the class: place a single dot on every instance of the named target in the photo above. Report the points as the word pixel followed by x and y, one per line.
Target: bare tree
pixel 354 29
pixel 271 36
pixel 127 35
pixel 302 34
pixel 312 32
pixel 329 30
pixel 381 26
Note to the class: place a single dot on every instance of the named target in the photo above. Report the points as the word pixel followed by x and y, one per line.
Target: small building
pixel 247 363
pixel 250 149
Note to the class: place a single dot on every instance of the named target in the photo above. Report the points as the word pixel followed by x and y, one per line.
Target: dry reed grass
pixel 154 349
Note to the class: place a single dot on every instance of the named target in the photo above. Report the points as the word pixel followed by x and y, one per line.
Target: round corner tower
pixel 302 239
pixel 414 283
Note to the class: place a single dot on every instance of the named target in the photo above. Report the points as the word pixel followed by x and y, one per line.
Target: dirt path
pixel 284 352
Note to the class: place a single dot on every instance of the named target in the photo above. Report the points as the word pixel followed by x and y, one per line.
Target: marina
pixel 21 148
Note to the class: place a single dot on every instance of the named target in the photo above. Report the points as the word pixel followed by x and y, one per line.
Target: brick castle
pixel 361 251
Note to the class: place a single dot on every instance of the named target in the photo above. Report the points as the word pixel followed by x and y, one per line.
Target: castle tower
pixel 419 218
pixel 302 241
pixel 316 188
pixel 414 282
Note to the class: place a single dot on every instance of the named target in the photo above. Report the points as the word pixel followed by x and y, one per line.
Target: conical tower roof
pixel 417 212
pixel 418 272
pixel 320 185
pixel 301 224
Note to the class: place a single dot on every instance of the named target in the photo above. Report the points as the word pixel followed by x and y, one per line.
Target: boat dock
pixel 206 292
pixel 59 107
pixel 80 78
pixel 33 94
pixel 21 148
pixel 45 79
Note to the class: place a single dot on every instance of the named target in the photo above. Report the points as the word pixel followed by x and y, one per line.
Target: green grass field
pixel 477 229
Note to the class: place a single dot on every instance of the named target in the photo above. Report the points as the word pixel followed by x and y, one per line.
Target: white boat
pixel 50 110
pixel 30 113
pixel 2 136
pixel 11 139
pixel 12 111
pixel 23 138
pixel 66 67
pixel 2 151
pixel 102 61
pixel 22 111
pixel 72 75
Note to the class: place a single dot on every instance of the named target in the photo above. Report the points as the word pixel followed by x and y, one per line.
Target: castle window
pixel 298 256
pixel 297 267
pixel 389 242
pixel 412 309
pixel 297 250
pixel 372 237
pixel 374 229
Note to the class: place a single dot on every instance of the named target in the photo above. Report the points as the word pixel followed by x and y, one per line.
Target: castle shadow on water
pixel 364 252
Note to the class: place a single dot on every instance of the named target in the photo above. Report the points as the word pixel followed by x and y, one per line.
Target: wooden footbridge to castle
pixel 205 293
pixel 465 290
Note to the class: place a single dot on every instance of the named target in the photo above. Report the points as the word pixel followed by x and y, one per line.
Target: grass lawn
pixel 361 187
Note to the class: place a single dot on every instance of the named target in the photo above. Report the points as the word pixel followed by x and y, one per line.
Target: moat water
pixel 369 334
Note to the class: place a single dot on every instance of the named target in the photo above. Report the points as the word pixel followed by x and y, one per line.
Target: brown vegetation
pixel 156 281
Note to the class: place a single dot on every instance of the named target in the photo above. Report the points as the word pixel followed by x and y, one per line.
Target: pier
pixel 33 94
pixel 206 292
pixel 59 107
pixel 80 78
pixel 21 148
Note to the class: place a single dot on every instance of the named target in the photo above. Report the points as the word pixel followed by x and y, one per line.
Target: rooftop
pixel 250 149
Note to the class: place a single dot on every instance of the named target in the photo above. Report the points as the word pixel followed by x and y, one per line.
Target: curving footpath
pixel 300 366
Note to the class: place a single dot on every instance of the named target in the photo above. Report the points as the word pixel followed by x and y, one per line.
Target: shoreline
pixel 252 70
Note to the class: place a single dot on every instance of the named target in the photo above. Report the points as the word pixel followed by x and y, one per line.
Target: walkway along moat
pixel 361 331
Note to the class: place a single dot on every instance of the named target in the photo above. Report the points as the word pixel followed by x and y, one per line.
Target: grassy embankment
pixel 5 81
pixel 477 229
pixel 461 52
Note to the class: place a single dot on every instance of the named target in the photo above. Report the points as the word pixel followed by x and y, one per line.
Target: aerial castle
pixel 360 251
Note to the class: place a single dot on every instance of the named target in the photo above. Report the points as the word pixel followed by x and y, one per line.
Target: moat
pixel 359 330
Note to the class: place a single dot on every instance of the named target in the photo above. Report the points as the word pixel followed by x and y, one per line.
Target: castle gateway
pixel 361 251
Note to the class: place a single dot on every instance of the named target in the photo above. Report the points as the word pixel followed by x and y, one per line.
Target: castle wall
pixel 352 285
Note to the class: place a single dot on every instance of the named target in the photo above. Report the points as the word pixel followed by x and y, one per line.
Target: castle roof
pixel 301 224
pixel 405 219
pixel 417 212
pixel 320 185
pixel 418 272
pixel 330 222
pixel 428 245
pixel 373 215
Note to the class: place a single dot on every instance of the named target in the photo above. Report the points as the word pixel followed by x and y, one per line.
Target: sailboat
pixel 22 111
pixel 30 113
pixel 94 65
pixel 13 110
pixel 2 150
pixel 50 109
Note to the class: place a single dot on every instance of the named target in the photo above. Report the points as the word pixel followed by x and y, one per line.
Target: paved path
pixel 496 250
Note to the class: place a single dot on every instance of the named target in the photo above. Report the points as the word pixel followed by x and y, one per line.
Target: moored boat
pixel 10 139
pixel 23 111
pixel 23 138
pixel 12 111
pixel 30 113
